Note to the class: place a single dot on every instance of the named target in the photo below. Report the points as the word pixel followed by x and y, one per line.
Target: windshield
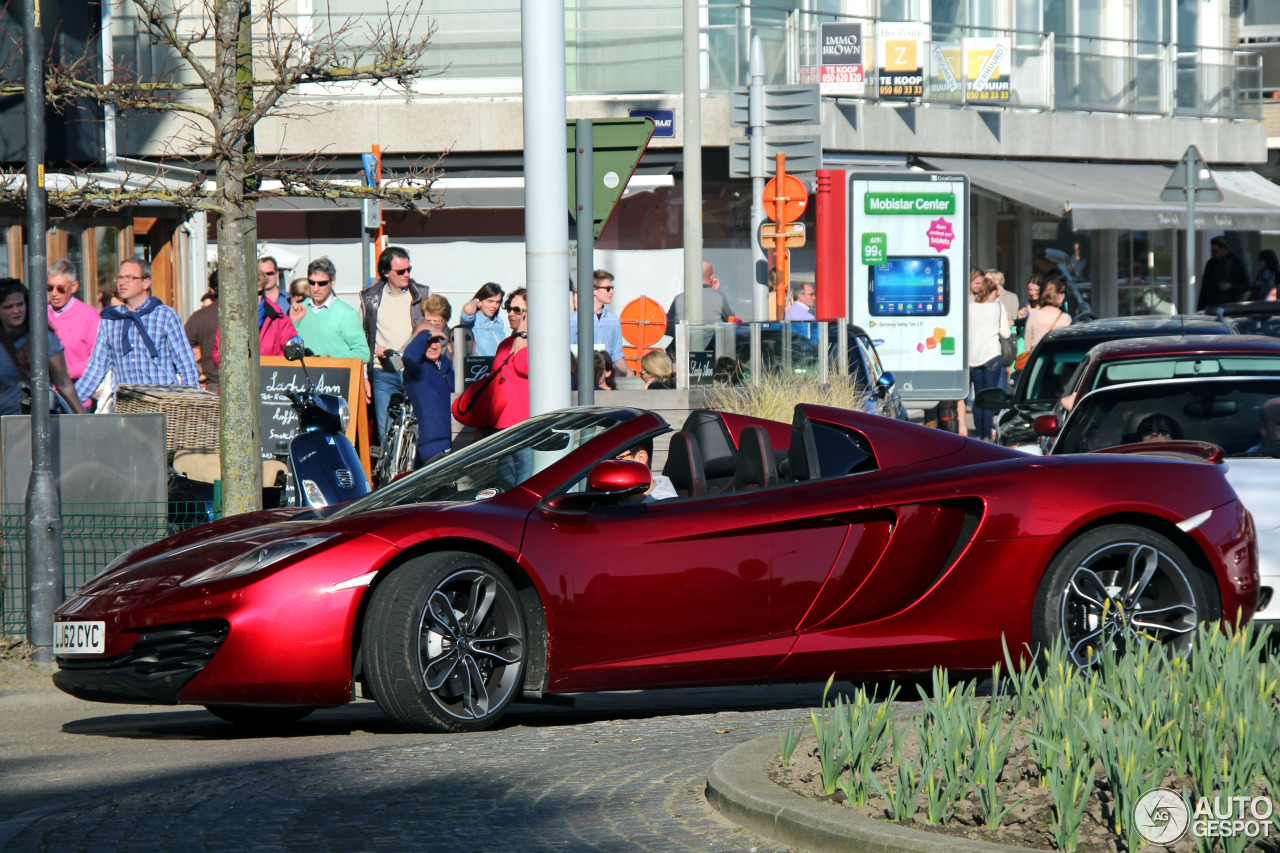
pixel 1185 367
pixel 1049 370
pixel 492 466
pixel 1224 412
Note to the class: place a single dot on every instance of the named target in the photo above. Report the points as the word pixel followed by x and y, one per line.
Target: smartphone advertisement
pixel 908 273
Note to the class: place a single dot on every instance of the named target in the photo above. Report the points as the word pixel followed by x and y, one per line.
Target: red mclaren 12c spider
pixel 537 561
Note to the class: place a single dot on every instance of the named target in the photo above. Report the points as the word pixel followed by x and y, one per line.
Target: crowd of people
pixel 996 316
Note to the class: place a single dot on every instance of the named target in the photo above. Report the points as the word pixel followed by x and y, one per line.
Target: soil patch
pixel 18 671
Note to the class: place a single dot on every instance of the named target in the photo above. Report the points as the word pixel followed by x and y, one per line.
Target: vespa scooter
pixel 323 464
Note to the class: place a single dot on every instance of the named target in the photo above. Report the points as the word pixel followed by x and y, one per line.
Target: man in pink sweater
pixel 74 322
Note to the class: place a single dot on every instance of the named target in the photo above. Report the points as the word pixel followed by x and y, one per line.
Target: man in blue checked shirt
pixel 608 328
pixel 141 342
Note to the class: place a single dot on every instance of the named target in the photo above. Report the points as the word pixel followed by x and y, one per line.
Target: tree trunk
pixel 237 372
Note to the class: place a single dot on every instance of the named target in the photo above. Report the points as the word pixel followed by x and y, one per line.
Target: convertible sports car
pixel 533 562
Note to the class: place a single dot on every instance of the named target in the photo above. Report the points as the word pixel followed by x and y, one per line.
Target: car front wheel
pixel 444 643
pixel 1116 585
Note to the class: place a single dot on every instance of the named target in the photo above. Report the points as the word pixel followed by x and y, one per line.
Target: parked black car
pixel 1250 318
pixel 1056 358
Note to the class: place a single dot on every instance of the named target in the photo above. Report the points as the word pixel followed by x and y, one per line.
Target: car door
pixel 708 588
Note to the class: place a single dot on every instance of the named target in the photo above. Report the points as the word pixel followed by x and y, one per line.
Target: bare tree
pixel 259 57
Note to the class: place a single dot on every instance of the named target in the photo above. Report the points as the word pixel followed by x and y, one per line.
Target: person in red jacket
pixel 512 359
pixel 275 329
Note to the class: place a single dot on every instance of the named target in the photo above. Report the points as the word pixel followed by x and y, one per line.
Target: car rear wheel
pixel 250 716
pixel 444 643
pixel 1116 585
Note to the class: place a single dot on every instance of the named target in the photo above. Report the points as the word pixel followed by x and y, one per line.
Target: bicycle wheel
pixel 408 447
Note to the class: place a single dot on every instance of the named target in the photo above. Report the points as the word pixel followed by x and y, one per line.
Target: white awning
pixel 1121 195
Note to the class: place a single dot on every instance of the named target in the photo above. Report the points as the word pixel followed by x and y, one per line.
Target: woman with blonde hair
pixel 657 371
pixel 988 323
pixel 299 293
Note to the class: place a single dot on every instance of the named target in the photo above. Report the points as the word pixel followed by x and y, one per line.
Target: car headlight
pixel 344 413
pixel 257 559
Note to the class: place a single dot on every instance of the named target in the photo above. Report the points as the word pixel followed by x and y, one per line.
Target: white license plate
pixel 79 638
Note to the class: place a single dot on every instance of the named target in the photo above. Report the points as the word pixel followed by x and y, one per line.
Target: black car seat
pixel 757 466
pixel 684 466
pixel 802 455
pixel 719 456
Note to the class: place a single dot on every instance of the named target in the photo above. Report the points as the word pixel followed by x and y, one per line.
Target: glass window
pixel 899 10
pixel 107 239
pixel 1261 13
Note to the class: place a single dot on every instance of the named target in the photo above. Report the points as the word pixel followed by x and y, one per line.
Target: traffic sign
pixel 793 195
pixel 792 232
pixel 616 146
pixel 1191 173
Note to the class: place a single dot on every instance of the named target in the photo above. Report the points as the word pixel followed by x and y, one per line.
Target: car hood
pixel 158 567
pixel 1254 480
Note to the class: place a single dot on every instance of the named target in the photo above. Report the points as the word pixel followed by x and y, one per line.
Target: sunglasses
pixel 515 310
pixel 610 287
pixel 322 283
pixel 269 274
pixel 58 288
pixel 404 271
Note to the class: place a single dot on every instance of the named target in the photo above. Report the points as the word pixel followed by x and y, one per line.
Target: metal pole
pixel 108 77
pixel 364 257
pixel 459 359
pixel 585 185
pixel 1189 297
pixel 755 120
pixel 44 517
pixel 546 203
pixel 692 156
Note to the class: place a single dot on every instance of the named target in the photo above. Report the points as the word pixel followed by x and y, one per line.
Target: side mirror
pixel 1046 425
pixel 294 349
pixel 991 398
pixel 612 478
pixel 885 383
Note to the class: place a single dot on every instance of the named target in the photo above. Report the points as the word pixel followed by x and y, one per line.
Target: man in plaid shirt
pixel 141 342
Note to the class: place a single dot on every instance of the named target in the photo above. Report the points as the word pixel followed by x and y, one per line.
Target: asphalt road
pixel 615 772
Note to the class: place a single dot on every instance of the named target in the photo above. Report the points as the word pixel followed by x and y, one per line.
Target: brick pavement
pixel 622 772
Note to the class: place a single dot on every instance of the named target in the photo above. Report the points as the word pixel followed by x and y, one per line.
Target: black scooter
pixel 323 464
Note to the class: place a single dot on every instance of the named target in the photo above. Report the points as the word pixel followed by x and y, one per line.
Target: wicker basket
pixel 191 414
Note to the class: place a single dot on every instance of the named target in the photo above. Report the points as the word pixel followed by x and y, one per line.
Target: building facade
pixel 1095 103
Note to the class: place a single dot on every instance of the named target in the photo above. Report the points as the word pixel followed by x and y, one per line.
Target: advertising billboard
pixel 909 272
pixel 900 60
pixel 843 66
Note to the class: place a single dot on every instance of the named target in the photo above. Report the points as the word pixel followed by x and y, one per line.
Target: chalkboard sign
pixel 476 367
pixel 702 364
pixel 277 421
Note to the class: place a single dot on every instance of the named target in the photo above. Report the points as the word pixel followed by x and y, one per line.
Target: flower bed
pixel 1057 757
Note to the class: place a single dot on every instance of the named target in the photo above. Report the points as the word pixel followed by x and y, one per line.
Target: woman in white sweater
pixel 988 323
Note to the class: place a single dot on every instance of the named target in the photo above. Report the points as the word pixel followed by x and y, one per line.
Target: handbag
pixel 1008 350
pixel 477 406
pixel 1020 362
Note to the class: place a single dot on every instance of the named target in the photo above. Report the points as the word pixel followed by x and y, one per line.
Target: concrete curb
pixel 738 788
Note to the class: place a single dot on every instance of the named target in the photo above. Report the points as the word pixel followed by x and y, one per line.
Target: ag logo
pixel 1161 816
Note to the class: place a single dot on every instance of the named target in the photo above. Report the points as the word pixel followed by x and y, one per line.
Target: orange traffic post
pixel 780 241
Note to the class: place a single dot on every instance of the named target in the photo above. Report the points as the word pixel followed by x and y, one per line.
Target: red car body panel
pixel 929 560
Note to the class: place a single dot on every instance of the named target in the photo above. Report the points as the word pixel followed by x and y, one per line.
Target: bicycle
pixel 399 442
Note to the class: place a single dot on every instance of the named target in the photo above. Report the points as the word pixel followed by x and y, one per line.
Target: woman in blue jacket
pixel 428 383
pixel 481 314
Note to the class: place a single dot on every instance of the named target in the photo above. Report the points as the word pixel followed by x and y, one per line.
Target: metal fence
pixel 93 534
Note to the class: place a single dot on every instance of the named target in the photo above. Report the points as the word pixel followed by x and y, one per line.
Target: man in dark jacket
pixel 1225 278
pixel 428 383
pixel 390 309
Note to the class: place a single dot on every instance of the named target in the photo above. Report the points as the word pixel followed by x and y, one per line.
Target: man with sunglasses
pixel 74 322
pixel 267 266
pixel 389 311
pixel 330 327
pixel 608 328
pixel 141 342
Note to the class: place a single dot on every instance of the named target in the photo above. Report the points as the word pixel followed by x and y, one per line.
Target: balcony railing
pixel 621 49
